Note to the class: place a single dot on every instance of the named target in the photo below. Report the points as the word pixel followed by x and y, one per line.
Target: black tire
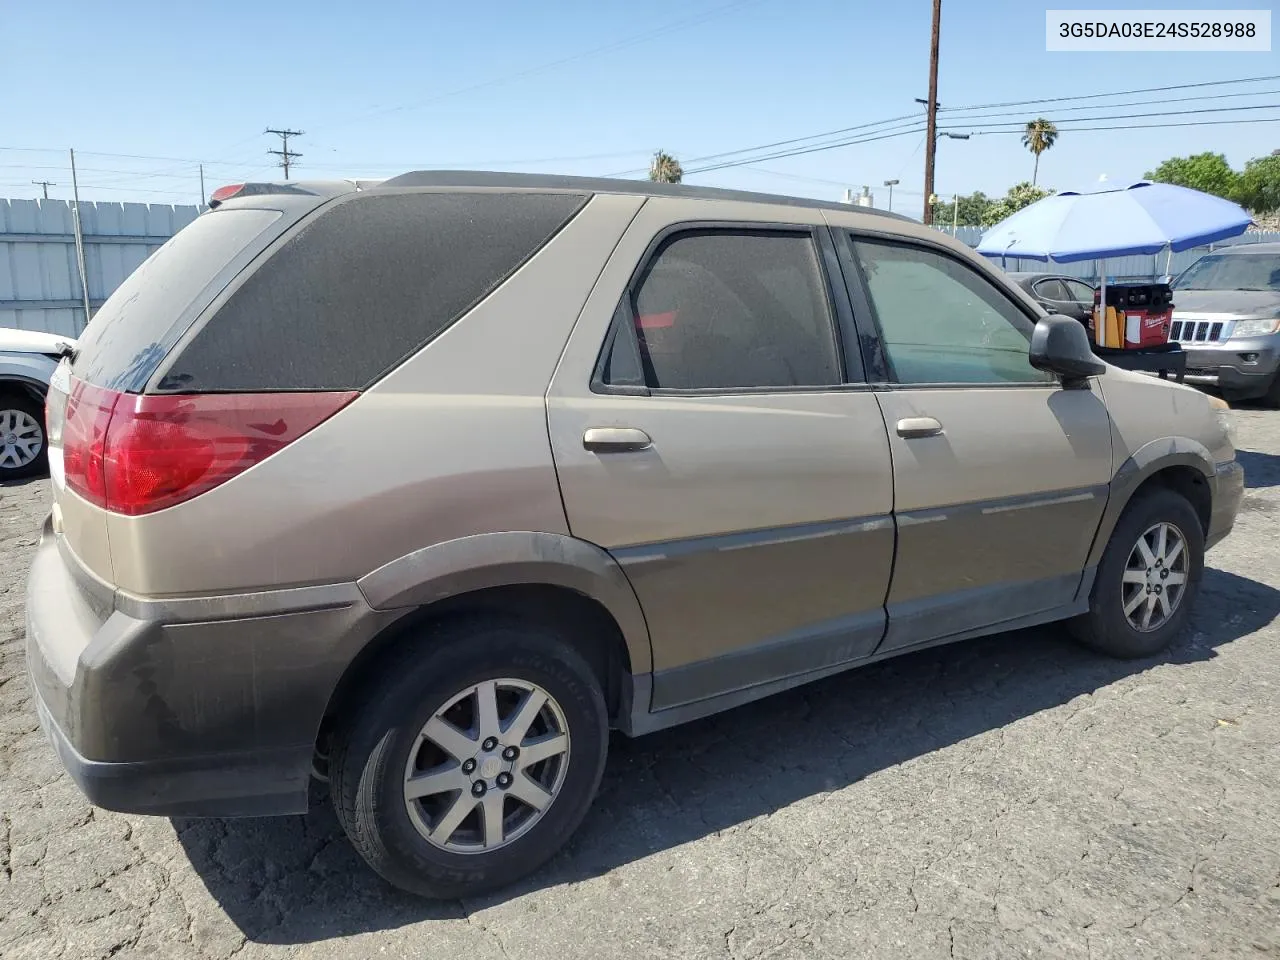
pixel 1105 627
pixel 23 403
pixel 371 749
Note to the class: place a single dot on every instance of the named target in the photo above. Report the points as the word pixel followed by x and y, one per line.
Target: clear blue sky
pixel 384 87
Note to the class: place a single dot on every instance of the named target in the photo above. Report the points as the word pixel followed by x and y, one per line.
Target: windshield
pixel 1240 272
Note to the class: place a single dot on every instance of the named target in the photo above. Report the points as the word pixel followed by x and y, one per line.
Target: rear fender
pixel 487 560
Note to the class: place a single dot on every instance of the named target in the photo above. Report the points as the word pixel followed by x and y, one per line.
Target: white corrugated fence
pixel 39 277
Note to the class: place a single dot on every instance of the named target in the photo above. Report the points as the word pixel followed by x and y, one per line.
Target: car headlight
pixel 1254 328
pixel 1222 412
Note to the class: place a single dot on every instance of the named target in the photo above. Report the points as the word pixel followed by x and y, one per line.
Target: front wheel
pixel 1148 578
pixel 474 759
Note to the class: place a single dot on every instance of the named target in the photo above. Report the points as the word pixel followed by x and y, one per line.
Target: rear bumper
pixel 1228 491
pixel 258 784
pixel 201 707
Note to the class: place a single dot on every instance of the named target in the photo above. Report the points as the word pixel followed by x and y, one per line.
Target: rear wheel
pixel 23 451
pixel 470 765
pixel 1148 578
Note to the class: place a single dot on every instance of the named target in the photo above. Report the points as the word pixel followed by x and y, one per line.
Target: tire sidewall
pixel 385 735
pixel 1116 635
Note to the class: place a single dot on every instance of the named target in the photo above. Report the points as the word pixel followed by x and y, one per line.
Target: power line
pixel 1117 106
pixel 284 153
pixel 1143 126
pixel 971 108
pixel 800 152
pixel 1121 93
pixel 1019 127
pixel 625 42
pixel 1139 116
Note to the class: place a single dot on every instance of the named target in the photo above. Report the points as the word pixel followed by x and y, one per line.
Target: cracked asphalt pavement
pixel 1007 797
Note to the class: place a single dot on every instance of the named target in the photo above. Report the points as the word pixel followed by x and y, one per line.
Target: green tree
pixel 665 168
pixel 1258 188
pixel 1206 172
pixel 1040 136
pixel 1020 195
pixel 971 210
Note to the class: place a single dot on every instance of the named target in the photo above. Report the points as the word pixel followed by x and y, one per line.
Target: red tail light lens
pixel 84 439
pixel 155 451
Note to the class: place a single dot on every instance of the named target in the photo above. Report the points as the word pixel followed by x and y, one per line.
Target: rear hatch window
pixel 362 286
pixel 146 315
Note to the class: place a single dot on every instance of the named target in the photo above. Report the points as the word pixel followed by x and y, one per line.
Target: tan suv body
pixel 426 485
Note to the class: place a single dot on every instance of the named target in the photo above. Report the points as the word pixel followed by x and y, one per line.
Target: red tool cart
pixel 1133 331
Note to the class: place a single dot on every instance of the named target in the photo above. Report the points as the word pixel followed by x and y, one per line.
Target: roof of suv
pixel 1271 248
pixel 648 188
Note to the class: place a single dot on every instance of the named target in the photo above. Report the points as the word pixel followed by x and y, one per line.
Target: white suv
pixel 27 361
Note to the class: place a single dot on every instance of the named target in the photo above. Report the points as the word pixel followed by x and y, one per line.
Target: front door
pixel 1000 474
pixel 719 453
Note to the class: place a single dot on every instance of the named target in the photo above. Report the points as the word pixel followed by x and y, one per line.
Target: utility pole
pixel 891 184
pixel 203 201
pixel 931 137
pixel 955 214
pixel 286 155
pixel 78 227
pixel 45 184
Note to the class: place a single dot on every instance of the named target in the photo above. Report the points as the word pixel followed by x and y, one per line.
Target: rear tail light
pixel 84 438
pixel 139 453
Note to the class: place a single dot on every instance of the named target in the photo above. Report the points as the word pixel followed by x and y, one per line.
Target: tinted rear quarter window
pixel 133 330
pixel 364 284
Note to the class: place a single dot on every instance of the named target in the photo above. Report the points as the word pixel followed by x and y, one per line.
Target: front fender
pixel 505 559
pixel 29 372
pixel 1146 462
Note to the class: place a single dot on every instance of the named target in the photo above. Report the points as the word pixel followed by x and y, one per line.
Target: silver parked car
pixel 426 486
pixel 27 361
pixel 1227 318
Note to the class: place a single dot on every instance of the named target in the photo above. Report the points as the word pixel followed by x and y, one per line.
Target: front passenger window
pixel 941 321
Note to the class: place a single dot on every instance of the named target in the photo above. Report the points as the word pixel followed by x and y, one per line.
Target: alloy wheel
pixel 1155 577
pixel 21 438
pixel 487 766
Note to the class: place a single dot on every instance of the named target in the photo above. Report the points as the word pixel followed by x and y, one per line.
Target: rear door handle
pixel 616 440
pixel 913 428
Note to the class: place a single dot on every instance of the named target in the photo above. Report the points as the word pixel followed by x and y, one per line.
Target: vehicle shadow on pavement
pixel 296 879
pixel 1260 469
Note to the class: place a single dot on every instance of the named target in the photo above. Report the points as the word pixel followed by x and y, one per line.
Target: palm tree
pixel 665 168
pixel 1040 136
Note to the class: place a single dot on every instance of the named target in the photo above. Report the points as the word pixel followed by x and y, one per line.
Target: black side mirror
pixel 1061 345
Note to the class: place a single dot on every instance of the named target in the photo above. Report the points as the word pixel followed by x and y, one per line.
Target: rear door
pixel 1000 474
pixel 712 433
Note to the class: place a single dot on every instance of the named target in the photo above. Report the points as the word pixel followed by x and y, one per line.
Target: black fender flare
pixel 1142 465
pixel 487 560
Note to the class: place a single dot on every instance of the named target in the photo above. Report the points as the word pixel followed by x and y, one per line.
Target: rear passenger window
pixel 362 286
pixel 724 310
pixel 1052 290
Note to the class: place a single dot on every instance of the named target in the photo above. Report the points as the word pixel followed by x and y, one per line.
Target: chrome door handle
pixel 913 428
pixel 616 440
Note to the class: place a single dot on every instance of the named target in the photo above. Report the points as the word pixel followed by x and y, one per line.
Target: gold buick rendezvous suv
pixel 423 486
